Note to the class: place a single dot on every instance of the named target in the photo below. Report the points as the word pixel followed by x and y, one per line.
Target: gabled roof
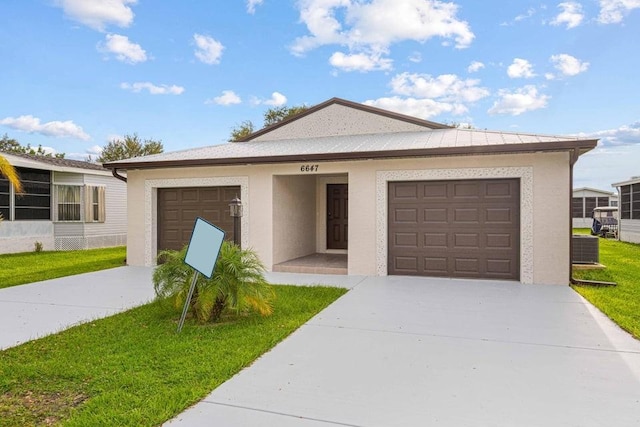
pixel 50 163
pixel 339 101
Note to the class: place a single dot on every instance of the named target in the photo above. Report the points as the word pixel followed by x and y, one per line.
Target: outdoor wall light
pixel 235 207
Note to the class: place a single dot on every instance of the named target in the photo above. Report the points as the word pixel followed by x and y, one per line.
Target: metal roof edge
pixel 582 145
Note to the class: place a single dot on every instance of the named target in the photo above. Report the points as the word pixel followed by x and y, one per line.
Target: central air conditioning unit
pixel 586 249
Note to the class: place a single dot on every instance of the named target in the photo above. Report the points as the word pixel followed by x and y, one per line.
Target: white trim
pixel 151 212
pixel 525 174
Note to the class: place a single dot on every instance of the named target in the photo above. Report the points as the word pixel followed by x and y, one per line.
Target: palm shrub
pixel 236 286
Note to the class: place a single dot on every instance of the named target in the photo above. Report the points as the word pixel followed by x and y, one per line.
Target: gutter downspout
pixel 114 172
pixel 573 158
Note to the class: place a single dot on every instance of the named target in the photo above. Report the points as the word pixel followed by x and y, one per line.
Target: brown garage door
pixel 455 228
pixel 179 207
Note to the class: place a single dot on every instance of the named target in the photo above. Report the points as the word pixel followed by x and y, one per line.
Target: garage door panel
pixel 407 240
pixel 435 215
pixel 466 240
pixel 179 207
pixel 435 266
pixel 466 215
pixel 435 191
pixel 407 191
pixel 466 190
pixel 499 190
pixel 499 215
pixel 499 241
pixel 404 215
pixel 435 240
pixel 406 264
pixel 468 229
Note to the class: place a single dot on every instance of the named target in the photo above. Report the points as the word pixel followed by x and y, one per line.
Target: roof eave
pixel 583 146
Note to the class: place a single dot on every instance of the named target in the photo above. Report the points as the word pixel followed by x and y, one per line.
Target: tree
pixel 9 172
pixel 128 147
pixel 271 117
pixel 10 145
pixel 236 286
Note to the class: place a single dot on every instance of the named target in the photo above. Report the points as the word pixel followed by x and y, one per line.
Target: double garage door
pixel 178 209
pixel 465 229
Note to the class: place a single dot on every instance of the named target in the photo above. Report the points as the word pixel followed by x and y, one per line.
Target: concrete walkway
pixel 38 309
pixel 399 351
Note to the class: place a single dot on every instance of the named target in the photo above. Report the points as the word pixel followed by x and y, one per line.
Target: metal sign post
pixel 202 254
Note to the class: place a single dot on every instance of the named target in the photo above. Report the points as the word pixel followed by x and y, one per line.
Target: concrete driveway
pixel 38 309
pixel 399 351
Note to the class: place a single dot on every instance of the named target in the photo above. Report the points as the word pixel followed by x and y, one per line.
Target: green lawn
pixel 622 302
pixel 134 369
pixel 28 267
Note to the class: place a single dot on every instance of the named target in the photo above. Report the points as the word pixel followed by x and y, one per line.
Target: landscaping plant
pixel 236 286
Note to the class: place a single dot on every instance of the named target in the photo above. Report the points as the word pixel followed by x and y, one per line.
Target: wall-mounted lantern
pixel 235 209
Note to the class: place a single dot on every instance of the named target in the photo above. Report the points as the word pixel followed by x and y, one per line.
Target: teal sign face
pixel 204 247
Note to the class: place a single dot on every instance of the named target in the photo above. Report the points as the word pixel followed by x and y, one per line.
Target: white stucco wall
pixel 544 205
pixel 294 213
pixel 337 119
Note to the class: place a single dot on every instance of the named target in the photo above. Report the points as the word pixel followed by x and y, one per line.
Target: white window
pixel 68 202
pixel 75 203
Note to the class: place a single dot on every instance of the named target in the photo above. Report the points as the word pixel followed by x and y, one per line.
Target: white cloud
pixel 228 97
pixel 123 49
pixel 568 65
pixel 358 25
pixel 94 149
pixel 251 5
pixel 277 100
pixel 97 14
pixel 30 124
pixel 475 66
pixel 360 62
pixel 519 101
pixel 424 108
pixel 528 14
pixel 614 11
pixel 571 14
pixel 624 135
pixel 209 50
pixel 445 88
pixel 152 88
pixel 520 68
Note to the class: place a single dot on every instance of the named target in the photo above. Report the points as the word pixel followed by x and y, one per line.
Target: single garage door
pixel 455 228
pixel 179 207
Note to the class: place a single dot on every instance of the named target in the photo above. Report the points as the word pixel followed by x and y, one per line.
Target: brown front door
pixel 337 216
pixel 455 228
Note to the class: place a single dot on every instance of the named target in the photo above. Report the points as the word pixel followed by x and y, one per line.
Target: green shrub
pixel 237 284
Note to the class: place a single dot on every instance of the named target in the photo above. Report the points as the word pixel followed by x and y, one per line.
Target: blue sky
pixel 77 73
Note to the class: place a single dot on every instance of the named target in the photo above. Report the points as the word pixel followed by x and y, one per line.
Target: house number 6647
pixel 309 168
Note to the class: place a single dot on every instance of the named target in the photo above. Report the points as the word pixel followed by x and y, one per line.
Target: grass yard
pixel 621 303
pixel 28 267
pixel 133 369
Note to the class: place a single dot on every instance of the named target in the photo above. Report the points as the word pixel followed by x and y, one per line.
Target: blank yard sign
pixel 204 247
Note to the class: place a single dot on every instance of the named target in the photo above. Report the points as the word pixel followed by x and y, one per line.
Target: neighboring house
pixel 393 194
pixel 629 192
pixel 585 200
pixel 65 205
